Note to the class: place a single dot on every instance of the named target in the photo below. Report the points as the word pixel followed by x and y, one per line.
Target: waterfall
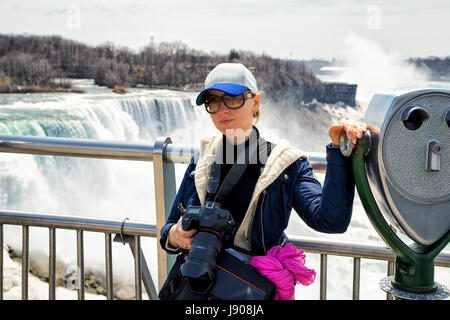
pixel 60 183
pixel 90 187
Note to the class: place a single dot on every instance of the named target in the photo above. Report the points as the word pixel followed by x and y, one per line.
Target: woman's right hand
pixel 354 130
pixel 179 237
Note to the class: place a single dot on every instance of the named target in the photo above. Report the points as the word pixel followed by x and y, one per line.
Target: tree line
pixel 39 60
pixel 437 68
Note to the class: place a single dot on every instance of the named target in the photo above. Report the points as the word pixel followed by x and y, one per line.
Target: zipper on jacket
pixel 262 225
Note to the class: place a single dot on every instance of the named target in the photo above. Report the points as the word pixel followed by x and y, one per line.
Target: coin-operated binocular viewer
pixel 402 174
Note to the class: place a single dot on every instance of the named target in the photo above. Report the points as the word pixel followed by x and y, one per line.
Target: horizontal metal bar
pixel 317 161
pixel 179 153
pixel 142 228
pixel 130 227
pixel 341 248
pixel 69 147
pixel 184 154
pixel 355 249
pixel 116 150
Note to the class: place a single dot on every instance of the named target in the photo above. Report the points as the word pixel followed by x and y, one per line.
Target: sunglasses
pixel 212 102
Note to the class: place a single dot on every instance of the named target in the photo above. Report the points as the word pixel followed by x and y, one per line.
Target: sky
pixel 297 29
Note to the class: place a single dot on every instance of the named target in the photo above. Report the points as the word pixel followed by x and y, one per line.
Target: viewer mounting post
pixel 398 188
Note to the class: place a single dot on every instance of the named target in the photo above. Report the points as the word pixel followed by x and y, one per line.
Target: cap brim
pixel 229 88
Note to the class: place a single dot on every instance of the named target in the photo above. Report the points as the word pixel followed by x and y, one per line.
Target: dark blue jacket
pixel 326 209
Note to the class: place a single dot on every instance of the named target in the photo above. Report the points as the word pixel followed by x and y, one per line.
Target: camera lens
pixel 201 261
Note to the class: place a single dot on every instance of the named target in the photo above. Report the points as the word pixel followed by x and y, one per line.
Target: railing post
pixel 145 271
pixel 356 277
pixel 52 264
pixel 390 272
pixel 80 264
pixel 323 277
pixel 25 261
pixel 165 192
pixel 108 263
pixel 137 268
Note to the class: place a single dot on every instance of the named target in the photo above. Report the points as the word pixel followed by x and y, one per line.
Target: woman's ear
pixel 256 103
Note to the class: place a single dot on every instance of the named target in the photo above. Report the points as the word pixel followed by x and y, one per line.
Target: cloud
pixel 375 69
pixel 307 28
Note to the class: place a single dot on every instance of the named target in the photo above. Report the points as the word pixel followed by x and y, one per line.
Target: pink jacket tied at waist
pixel 285 267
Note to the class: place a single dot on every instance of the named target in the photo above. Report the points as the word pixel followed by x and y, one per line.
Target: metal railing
pixel 356 250
pixel 163 154
pixel 126 231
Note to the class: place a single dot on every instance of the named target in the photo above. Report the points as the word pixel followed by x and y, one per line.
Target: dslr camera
pixel 215 226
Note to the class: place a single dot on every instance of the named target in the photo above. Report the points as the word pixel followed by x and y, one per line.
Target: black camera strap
pixel 236 171
pixel 231 179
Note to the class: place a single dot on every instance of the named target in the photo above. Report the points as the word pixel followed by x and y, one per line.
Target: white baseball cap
pixel 232 78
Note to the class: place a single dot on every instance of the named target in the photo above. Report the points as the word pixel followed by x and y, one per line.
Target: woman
pixel 278 179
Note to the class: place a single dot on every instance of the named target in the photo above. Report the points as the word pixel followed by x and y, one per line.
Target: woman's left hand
pixel 353 129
